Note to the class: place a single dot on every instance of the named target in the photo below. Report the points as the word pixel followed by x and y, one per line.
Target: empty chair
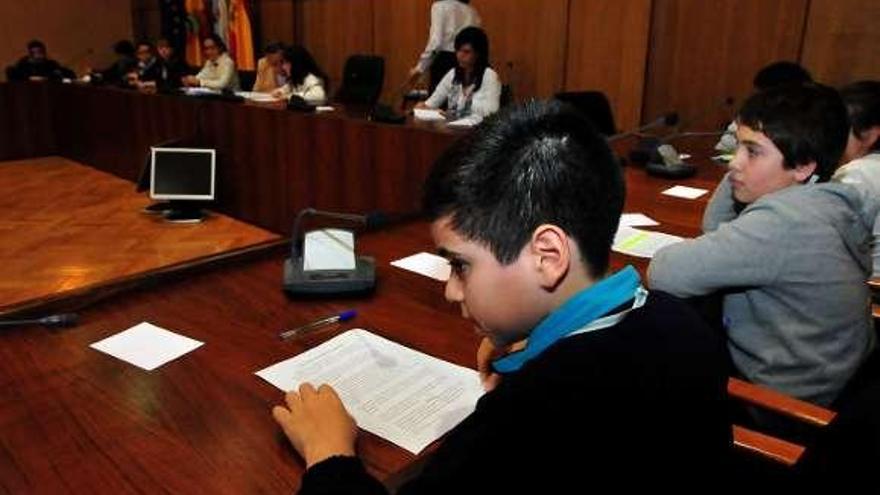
pixel 594 105
pixel 362 80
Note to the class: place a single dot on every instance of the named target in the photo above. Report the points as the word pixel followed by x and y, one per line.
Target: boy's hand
pixel 316 423
pixel 486 353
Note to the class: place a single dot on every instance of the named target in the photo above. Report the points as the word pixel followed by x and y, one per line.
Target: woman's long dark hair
pixel 301 65
pixel 478 40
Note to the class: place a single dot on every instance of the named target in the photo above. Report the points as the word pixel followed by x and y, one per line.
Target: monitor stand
pixel 182 212
pixel 157 208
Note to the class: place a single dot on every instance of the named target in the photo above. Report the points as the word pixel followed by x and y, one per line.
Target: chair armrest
pixel 779 402
pixel 766 446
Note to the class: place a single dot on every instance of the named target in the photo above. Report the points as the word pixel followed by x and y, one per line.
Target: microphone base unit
pixel 679 171
pixel 300 282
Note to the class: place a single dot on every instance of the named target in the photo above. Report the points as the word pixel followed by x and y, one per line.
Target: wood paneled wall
pixel 68 28
pixel 607 50
pixel 842 41
pixel 704 51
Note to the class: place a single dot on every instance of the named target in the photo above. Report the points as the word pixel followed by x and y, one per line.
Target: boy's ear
pixel 552 255
pixel 803 171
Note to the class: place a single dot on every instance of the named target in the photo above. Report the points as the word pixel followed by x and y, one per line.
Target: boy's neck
pixel 576 281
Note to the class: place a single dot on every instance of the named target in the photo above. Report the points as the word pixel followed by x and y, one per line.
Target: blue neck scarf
pixel 579 311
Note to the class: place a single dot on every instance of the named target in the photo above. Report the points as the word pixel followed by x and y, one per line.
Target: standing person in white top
pixel 448 18
pixel 862 155
pixel 472 89
pixel 304 78
pixel 219 71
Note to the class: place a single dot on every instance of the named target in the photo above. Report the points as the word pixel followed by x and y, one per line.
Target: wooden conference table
pixel 75 420
pixel 271 162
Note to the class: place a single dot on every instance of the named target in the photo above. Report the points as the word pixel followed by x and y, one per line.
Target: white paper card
pixel 146 346
pixel 465 122
pixel 329 249
pixel 427 264
pixel 428 114
pixel 641 243
pixel 257 96
pixel 637 220
pixel 685 192
pixel 402 395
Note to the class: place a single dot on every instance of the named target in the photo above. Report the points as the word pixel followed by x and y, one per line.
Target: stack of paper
pixel 428 114
pixel 395 392
pixel 641 243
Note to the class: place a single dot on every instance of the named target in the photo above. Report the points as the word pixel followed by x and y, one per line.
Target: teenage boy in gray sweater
pixel 788 251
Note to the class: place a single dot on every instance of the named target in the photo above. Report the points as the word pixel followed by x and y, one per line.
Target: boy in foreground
pixel 614 385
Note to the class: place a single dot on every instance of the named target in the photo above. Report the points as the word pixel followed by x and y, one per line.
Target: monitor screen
pixel 182 173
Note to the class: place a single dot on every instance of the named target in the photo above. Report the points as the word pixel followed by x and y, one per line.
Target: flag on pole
pixel 241 39
pixel 198 27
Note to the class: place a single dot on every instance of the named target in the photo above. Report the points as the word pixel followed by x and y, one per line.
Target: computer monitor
pixel 183 176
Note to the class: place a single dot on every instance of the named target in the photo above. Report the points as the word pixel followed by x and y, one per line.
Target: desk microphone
pixel 59 320
pixel 666 120
pixel 302 282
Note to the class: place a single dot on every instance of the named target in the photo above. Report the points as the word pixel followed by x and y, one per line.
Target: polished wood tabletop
pixel 76 420
pixel 69 229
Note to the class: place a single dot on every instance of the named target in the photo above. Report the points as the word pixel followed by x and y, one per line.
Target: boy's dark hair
pixel 806 122
pixel 779 74
pixel 36 44
pixel 862 100
pixel 147 43
pixel 540 162
pixel 274 47
pixel 301 64
pixel 479 41
pixel 218 42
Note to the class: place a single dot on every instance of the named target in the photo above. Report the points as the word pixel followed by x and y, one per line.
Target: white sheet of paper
pixel 428 114
pixel 684 192
pixel 427 264
pixel 465 122
pixel 146 346
pixel 637 220
pixel 641 243
pixel 329 249
pixel 324 108
pixel 402 395
pixel 256 96
pixel 200 91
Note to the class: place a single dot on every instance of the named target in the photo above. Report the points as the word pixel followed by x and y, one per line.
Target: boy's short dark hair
pixel 36 44
pixel 541 162
pixel 218 42
pixel 276 47
pixel 862 100
pixel 779 74
pixel 806 122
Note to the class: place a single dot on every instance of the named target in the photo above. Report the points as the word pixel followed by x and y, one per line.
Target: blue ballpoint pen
pixel 344 316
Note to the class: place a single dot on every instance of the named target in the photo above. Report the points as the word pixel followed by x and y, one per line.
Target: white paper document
pixel 329 249
pixel 146 346
pixel 685 192
pixel 428 114
pixel 257 96
pixel 427 264
pixel 465 122
pixel 402 395
pixel 637 220
pixel 641 243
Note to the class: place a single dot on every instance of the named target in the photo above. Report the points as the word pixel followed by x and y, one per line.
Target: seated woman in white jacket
pixel 304 78
pixel 472 90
